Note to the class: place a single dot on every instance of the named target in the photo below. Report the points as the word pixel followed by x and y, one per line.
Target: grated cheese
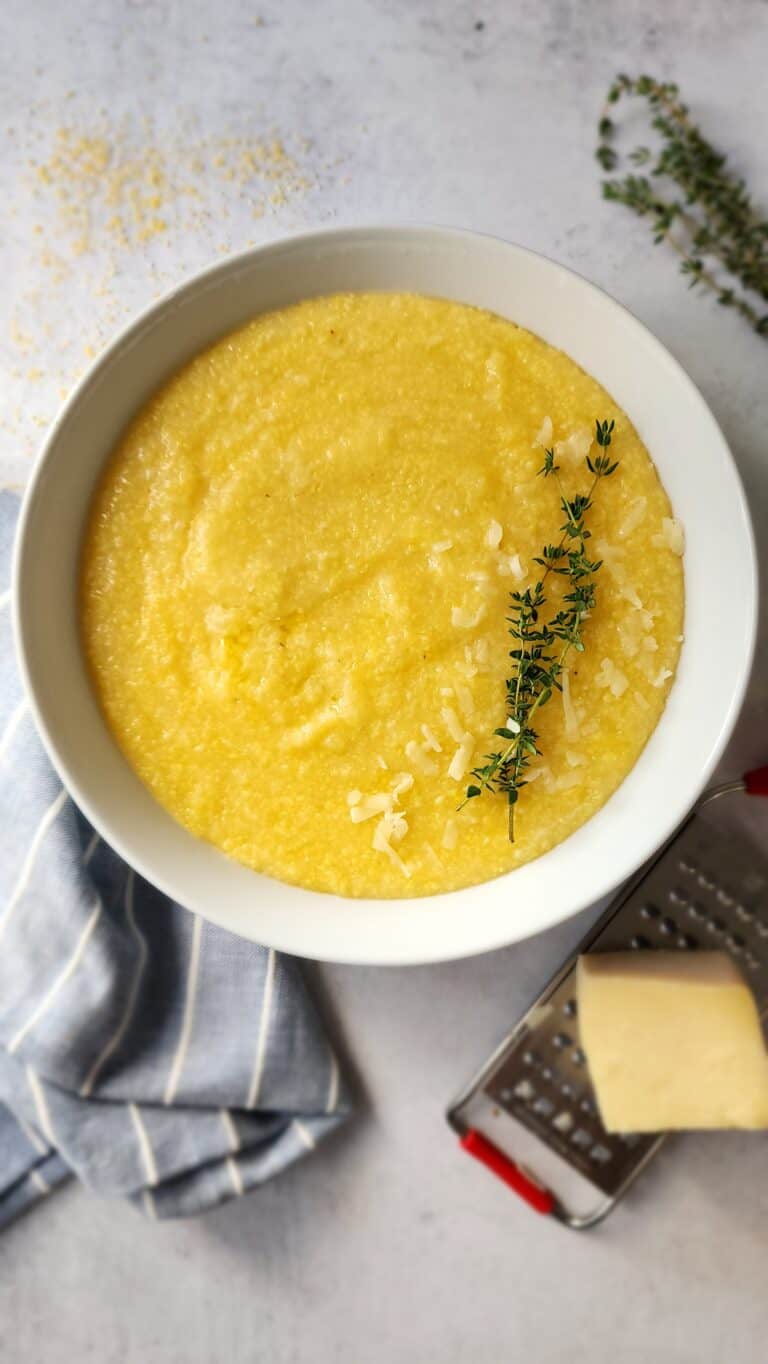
pixel 391 827
pixel 574 759
pixel 576 446
pixel 464 619
pixel 378 804
pixel 672 536
pixel 611 677
pixel 569 710
pixel 382 763
pixel 433 857
pixel 430 739
pixel 462 758
pixel 441 546
pixel 493 534
pixel 354 797
pixel 544 438
pixel 416 755
pixel 452 723
pixel 661 677
pixel 450 835
pixel 633 517
pixel 510 566
pixel 403 782
pixel 642 701
pixel 466 702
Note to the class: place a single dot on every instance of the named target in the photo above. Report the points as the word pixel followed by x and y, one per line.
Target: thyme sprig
pixel 711 223
pixel 542 646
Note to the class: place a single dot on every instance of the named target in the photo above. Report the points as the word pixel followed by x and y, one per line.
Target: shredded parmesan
pixel 569 710
pixel 480 649
pixel 629 594
pixel 430 739
pixel 466 702
pixel 565 782
pixel 544 438
pixel 378 804
pixel 382 763
pixel 391 827
pixel 450 835
pixel 672 536
pixel 354 797
pixel 415 754
pixel 493 535
pixel 510 566
pixel 611 677
pixel 452 723
pixel 433 857
pixel 441 546
pixel 661 677
pixel 403 782
pixel 576 446
pixel 633 517
pixel 642 701
pixel 460 762
pixel 574 759
pixel 534 773
pixel 464 619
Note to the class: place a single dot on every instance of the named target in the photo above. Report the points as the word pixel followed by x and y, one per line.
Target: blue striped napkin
pixel 153 1055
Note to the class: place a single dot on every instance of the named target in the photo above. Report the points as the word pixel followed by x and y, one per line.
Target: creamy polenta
pixel 295 582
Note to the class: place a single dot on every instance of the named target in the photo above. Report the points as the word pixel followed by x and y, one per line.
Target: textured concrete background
pixel 138 141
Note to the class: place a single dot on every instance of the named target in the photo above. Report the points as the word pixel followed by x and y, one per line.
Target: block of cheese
pixel 672 1040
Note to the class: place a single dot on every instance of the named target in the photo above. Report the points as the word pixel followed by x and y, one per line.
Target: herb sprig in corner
pixel 542 646
pixel 691 199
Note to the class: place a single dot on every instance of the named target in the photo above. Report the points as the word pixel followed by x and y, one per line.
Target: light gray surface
pixel 388 1245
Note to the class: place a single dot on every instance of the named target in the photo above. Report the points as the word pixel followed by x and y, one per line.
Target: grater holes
pixel 745 913
pixel 752 962
pixel 705 881
pixel 531 1058
pixel 687 941
pixel 629 1139
pixel 687 865
pixel 578 1057
pixel 563 1122
pixel 581 1138
pixel 561 1040
pixel 547 1074
pixel 677 897
pixel 639 942
pixel 600 1154
pixel 544 1107
pixel 735 942
pixel 667 926
pixel 567 1090
pixel 650 911
pixel 716 926
pixel 570 1008
pixel 761 929
pixel 725 899
pixel 588 1107
pixel 696 910
pixel 523 1090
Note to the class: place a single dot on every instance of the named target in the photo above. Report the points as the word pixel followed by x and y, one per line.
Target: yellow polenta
pixel 295 582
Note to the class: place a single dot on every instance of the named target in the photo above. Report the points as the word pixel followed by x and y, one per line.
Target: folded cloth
pixel 153 1055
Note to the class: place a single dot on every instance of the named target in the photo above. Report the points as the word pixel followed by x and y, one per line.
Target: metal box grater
pixel 706 888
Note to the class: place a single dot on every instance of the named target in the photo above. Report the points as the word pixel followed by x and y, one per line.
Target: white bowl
pixel 694 463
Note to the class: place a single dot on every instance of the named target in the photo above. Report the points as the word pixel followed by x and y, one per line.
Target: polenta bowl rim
pixel 646 381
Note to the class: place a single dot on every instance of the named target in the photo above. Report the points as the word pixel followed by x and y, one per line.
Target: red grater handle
pixel 489 1155
pixel 756 783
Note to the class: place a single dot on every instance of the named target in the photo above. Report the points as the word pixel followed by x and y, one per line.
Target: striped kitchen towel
pixel 146 1051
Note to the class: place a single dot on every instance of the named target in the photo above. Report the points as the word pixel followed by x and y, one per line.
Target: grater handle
pixel 489 1155
pixel 756 783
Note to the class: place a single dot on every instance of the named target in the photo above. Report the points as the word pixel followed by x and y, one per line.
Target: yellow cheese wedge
pixel 672 1040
